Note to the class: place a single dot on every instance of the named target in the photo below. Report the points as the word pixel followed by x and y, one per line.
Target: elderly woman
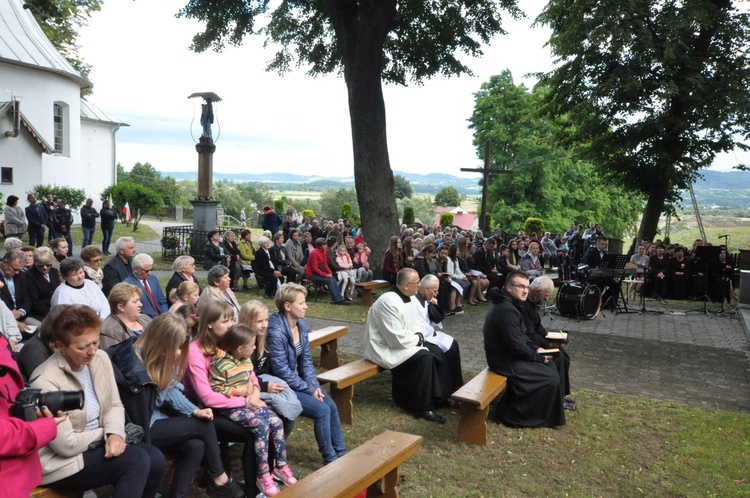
pixel 231 250
pixel 59 248
pixel 247 256
pixel 90 449
pixel 42 281
pixel 184 271
pixel 77 290
pixel 151 367
pixel 92 264
pixel 214 251
pixel 125 319
pixel 263 267
pixel 29 252
pixel 218 290
pixel 15 218
pixel 291 361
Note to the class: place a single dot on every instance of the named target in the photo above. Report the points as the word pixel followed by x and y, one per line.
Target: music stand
pixel 616 264
pixel 709 254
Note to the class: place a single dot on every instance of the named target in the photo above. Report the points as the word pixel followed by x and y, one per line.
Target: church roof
pixel 90 112
pixel 23 43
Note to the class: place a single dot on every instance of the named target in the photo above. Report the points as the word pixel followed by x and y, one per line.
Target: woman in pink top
pixel 216 318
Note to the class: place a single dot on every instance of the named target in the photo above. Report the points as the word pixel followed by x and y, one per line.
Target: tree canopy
pixel 367 41
pixel 140 198
pixel 402 187
pixel 547 181
pixel 653 89
pixel 145 174
pixel 448 196
pixel 73 197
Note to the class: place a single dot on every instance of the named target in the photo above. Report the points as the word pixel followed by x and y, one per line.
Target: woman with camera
pixel 90 449
pixel 20 470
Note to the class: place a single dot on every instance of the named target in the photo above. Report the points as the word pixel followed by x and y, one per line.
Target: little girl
pixel 346 276
pixel 231 374
pixel 274 391
pixel 186 293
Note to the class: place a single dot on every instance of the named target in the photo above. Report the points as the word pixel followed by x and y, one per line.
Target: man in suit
pixel 594 258
pixel 486 262
pixel 153 299
pixel 15 293
pixel 118 268
pixel 36 216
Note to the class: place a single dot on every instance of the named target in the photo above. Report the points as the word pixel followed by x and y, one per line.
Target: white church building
pixel 48 134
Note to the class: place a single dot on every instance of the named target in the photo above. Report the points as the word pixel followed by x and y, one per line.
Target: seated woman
pixel 532 261
pixel 20 469
pixel 148 370
pixel 184 271
pixel 186 293
pixel 274 391
pixel 213 251
pixel 232 374
pixel 247 255
pixel 660 272
pixel 723 273
pixel 90 449
pixel 42 281
pixel 263 267
pixel 471 288
pixel 291 361
pixel 125 319
pixel 92 264
pixel 215 320
pixel 392 261
pixel 231 250
pixel 218 290
pixel 59 248
pixel 41 345
pixel 642 261
pixel 513 258
pixel 466 263
pixel 77 290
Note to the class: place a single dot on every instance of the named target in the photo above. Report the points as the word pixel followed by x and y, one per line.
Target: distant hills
pixel 725 189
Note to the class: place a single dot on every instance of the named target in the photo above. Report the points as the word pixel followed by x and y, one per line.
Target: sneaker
pixel 284 475
pixel 229 489
pixel 267 485
pixel 458 310
pixel 450 313
pixel 349 298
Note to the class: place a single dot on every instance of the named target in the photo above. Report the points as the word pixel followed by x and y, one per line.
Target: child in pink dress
pixel 347 276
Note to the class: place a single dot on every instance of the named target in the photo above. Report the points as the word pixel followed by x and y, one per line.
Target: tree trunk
pixel 361 31
pixel 653 211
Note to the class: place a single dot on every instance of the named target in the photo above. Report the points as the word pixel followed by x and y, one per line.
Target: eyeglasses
pixel 96 260
pixel 145 270
pixel 518 286
pixel 44 265
pixel 413 283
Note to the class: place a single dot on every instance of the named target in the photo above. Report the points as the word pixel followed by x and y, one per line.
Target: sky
pixel 143 72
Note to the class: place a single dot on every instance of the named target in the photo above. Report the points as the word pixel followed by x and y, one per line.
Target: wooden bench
pixel 314 288
pixel 342 380
pixel 374 466
pixel 366 289
pixel 475 397
pixel 328 340
pixel 55 493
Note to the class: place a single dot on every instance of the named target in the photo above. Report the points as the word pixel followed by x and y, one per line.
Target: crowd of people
pixel 174 371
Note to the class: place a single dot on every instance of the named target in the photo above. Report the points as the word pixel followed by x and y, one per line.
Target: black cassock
pixel 416 383
pixel 534 393
pixel 538 335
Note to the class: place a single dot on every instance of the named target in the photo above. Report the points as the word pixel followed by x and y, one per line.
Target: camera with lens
pixel 30 398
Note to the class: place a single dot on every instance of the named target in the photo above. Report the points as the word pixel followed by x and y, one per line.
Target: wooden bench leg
pixel 367 297
pixel 472 427
pixel 386 487
pixel 329 356
pixel 343 399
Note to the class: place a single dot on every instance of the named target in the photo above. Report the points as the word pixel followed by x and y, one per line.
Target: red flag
pixel 126 212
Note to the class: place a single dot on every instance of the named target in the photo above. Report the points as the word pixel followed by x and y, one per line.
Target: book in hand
pixel 548 352
pixel 558 336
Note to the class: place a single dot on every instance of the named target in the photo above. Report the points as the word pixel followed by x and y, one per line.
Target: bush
pixel 408 218
pixel 278 206
pixel 534 225
pixel 73 197
pixel 446 219
pixel 308 213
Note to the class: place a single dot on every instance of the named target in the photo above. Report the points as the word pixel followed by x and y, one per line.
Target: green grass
pixel 612 446
pixel 143 233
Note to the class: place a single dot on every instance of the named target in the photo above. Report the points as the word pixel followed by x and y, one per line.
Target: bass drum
pixel 579 301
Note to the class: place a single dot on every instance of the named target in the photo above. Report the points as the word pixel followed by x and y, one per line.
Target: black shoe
pixel 450 313
pixel 569 400
pixel 570 406
pixel 431 416
pixel 230 489
pixel 341 303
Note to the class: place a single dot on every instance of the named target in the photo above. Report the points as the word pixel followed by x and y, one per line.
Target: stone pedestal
pixel 204 215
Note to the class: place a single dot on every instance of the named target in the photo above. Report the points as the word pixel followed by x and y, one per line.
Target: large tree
pixel 369 41
pixel 547 181
pixel 655 88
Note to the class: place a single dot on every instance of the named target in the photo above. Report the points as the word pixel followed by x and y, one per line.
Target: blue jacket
pixel 300 377
pixel 36 216
pixel 272 221
pixel 153 283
